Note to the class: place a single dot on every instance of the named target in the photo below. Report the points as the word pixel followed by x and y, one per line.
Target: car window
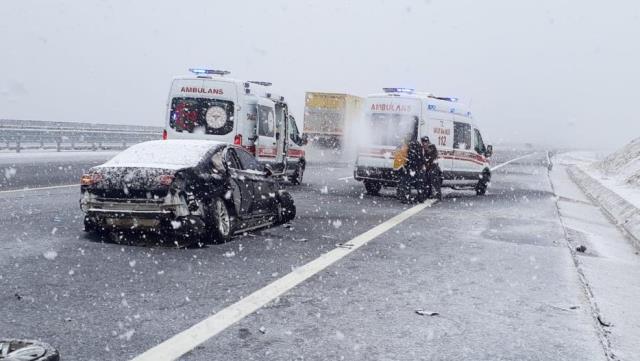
pixel 266 121
pixel 248 161
pixel 201 115
pixel 232 159
pixel 217 160
pixel 294 134
pixel 479 144
pixel 461 135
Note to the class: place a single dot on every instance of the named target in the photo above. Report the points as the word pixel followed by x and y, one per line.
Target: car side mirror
pixel 304 139
pixel 268 170
pixel 489 151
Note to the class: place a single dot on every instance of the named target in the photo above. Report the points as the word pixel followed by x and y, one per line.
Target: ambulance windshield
pixel 390 129
pixel 201 115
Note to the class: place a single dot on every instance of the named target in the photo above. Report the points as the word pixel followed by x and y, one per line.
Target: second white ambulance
pixel 391 116
pixel 209 105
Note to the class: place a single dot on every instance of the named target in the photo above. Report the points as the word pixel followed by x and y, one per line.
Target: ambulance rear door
pixel 266 144
pixel 440 132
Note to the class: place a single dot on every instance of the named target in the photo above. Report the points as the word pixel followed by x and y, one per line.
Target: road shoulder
pixel 609 264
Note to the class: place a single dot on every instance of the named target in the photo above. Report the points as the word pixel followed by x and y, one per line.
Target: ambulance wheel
pixel 296 178
pixel 373 188
pixel 483 183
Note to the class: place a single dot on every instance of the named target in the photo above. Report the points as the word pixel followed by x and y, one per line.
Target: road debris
pixel 422 312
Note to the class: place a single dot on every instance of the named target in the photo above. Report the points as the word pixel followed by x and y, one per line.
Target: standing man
pixel 412 173
pixel 432 172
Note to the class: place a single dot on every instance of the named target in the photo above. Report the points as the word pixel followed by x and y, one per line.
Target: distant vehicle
pixel 209 105
pixel 328 116
pixel 202 189
pixel 391 116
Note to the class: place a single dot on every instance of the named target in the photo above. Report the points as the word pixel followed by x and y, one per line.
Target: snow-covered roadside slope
pixel 624 164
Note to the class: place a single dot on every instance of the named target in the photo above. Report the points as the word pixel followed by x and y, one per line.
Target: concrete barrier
pixel 625 214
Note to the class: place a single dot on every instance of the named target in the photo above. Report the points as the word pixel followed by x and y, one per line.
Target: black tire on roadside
pixel 373 188
pixel 287 208
pixel 221 221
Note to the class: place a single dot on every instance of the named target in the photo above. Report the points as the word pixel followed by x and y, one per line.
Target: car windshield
pixel 162 154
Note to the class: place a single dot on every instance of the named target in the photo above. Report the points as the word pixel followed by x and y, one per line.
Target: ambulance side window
pixel 461 135
pixel 479 144
pixel 294 134
pixel 266 121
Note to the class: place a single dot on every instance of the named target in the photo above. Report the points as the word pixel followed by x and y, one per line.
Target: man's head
pixel 425 140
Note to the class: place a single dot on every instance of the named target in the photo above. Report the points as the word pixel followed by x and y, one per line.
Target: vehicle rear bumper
pixel 386 176
pixel 132 213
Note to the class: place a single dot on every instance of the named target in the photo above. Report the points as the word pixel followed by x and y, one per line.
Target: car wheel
pixel 286 208
pixel 296 178
pixel 223 226
pixel 93 227
pixel 373 188
pixel 483 183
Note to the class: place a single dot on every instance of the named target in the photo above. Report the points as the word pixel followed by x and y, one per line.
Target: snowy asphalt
pixel 496 269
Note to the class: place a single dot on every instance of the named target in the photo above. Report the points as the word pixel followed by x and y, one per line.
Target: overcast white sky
pixel 555 72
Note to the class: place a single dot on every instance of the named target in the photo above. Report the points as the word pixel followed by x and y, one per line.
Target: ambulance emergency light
pixel 199 71
pixel 398 90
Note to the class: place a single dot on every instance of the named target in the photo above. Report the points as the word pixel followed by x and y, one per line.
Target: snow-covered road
pixel 496 269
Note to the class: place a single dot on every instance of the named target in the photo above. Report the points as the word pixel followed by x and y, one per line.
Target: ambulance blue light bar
pixel 398 90
pixel 263 83
pixel 448 99
pixel 198 71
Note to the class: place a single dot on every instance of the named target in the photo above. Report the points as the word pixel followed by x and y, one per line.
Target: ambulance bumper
pixel 386 176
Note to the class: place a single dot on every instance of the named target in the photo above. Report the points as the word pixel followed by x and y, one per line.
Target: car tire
pixel 372 187
pixel 92 226
pixel 296 178
pixel 223 221
pixel 483 183
pixel 286 208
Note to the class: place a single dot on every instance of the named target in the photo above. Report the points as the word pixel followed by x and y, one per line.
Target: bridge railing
pixel 17 135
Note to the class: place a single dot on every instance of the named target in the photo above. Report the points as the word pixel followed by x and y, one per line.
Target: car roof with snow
pixel 167 154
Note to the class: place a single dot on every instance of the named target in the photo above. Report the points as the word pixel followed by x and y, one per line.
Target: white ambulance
pixel 210 105
pixel 391 116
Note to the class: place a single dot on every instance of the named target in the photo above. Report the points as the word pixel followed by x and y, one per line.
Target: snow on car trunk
pixel 166 154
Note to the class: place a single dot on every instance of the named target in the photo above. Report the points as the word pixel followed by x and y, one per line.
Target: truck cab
pixel 391 117
pixel 210 105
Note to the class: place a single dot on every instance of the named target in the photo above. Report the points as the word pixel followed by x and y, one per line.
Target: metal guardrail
pixel 17 135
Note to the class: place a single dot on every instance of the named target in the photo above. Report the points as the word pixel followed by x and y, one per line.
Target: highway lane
pixel 494 267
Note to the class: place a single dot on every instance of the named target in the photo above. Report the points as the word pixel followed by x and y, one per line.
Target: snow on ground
pixel 52 156
pixel 609 263
pixel 618 171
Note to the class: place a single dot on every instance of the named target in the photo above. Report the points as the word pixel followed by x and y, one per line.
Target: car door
pixel 481 151
pixel 263 185
pixel 440 133
pixel 242 186
pixel 463 154
pixel 266 144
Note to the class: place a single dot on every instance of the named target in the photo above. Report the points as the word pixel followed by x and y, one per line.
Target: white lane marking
pixel 345 178
pixel 188 339
pixel 40 188
pixel 512 160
